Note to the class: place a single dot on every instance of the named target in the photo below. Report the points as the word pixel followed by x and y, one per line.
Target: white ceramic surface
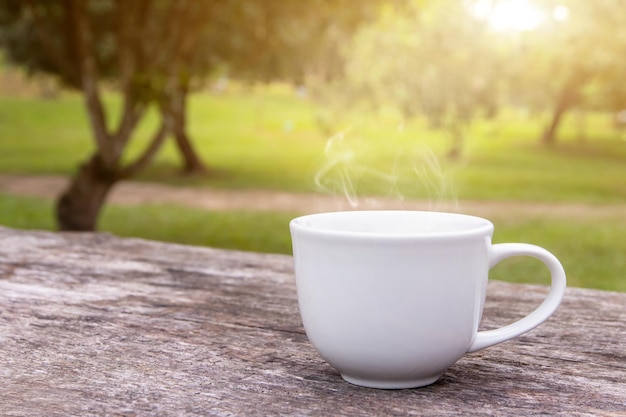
pixel 391 299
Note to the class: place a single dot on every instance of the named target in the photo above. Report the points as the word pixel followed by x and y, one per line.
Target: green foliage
pixel 415 60
pixel 286 40
pixel 268 40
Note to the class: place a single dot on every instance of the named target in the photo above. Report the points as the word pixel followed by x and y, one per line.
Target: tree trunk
pixel 192 164
pixel 581 126
pixel 458 138
pixel 549 135
pixel 79 206
pixel 569 96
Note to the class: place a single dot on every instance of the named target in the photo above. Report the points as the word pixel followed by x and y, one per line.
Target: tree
pixel 572 62
pixel 145 46
pixel 300 42
pixel 151 50
pixel 433 60
pixel 564 44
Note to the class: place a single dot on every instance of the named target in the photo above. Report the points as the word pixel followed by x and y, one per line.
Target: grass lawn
pixel 593 253
pixel 271 140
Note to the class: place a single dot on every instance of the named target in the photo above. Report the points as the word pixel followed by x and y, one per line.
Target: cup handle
pixel 546 309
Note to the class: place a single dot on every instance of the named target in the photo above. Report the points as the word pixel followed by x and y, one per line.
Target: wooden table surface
pixel 91 324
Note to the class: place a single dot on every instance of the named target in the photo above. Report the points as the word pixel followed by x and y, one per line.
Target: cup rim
pixel 480 227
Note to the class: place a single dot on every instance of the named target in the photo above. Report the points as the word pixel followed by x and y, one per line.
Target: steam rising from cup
pixel 413 171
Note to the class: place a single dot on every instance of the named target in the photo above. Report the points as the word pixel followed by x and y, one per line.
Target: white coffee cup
pixel 391 299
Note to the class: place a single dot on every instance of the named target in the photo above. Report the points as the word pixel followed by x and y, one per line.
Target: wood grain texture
pixel 91 324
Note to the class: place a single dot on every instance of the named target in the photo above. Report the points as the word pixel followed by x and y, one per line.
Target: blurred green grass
pixel 272 140
pixel 593 252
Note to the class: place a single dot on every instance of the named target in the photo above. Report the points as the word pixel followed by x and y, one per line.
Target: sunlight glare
pixel 560 13
pixel 509 15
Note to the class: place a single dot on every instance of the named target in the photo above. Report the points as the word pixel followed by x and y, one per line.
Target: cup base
pixel 414 383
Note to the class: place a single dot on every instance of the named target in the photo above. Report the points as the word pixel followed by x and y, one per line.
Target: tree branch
pixel 127 45
pixel 83 42
pixel 132 112
pixel 149 153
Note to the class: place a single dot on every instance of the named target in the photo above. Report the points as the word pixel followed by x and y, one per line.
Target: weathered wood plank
pixel 92 324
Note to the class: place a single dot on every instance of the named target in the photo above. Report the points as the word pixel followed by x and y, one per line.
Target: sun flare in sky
pixel 515 15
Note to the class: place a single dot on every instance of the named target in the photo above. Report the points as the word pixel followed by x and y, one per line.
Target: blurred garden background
pixel 510 109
